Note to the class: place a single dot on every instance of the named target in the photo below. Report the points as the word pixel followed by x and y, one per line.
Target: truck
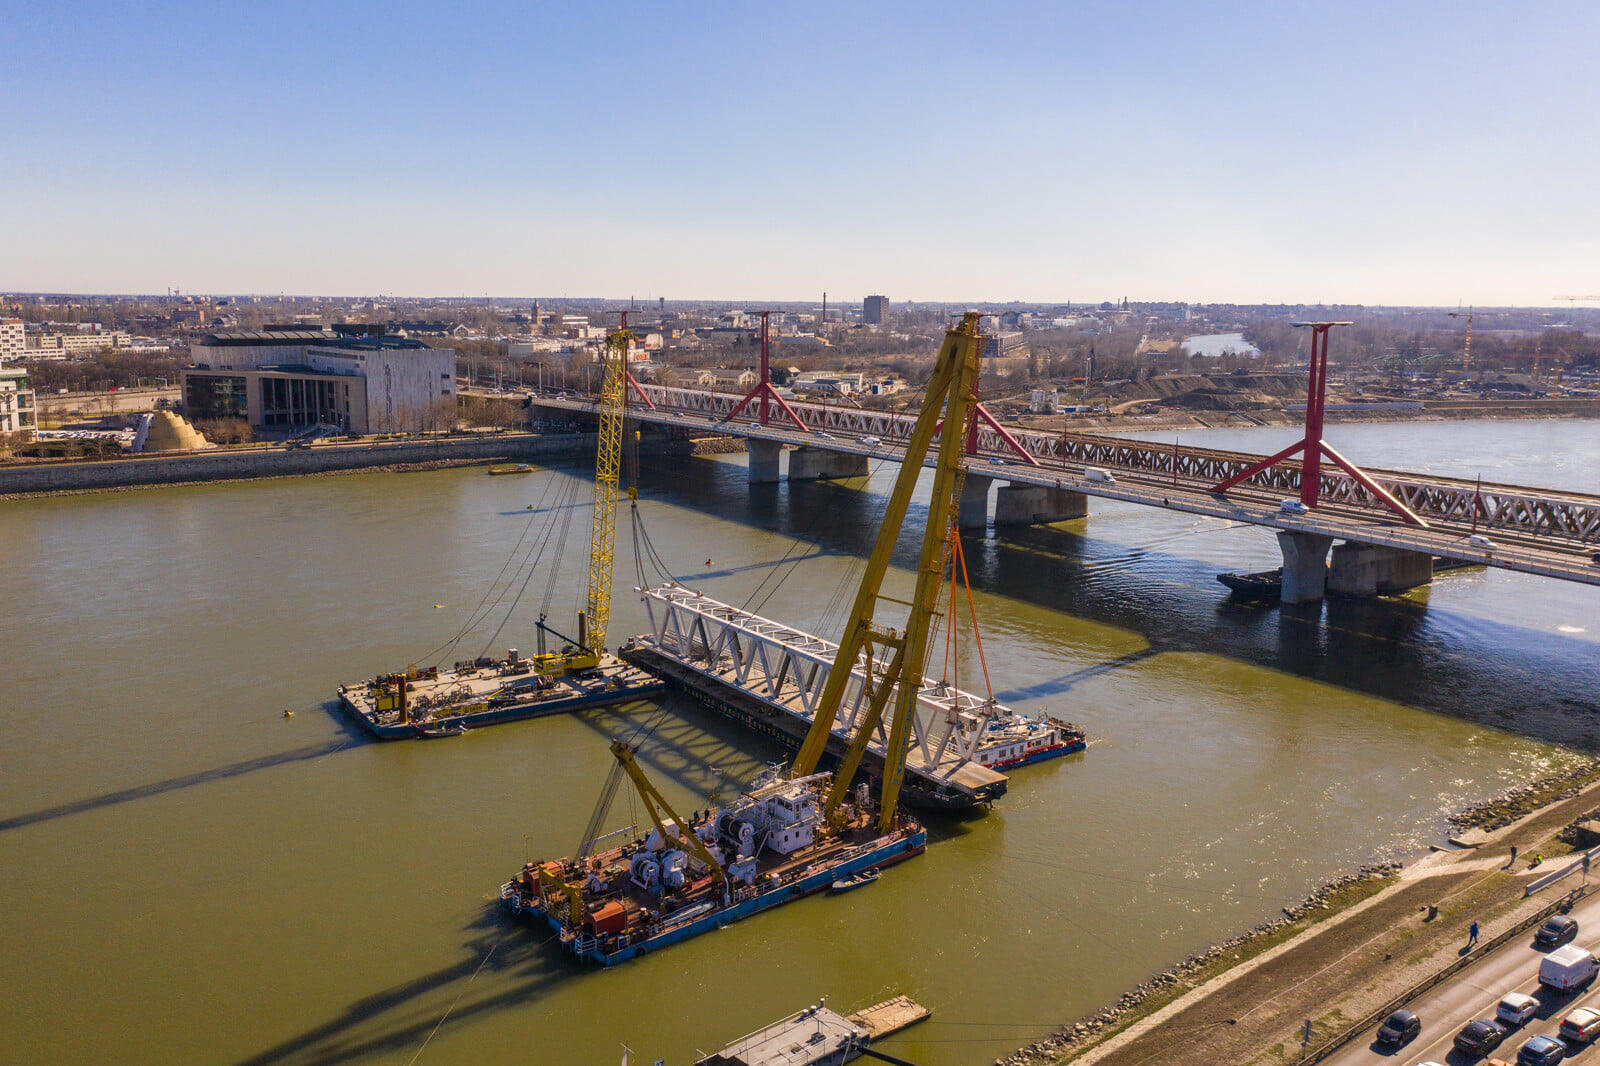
pixel 1567 968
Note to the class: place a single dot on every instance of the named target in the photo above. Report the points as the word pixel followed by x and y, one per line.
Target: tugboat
pixel 1017 740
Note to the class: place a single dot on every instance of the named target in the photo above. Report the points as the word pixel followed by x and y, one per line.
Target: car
pixel 1516 1008
pixel 1292 507
pixel 1595 557
pixel 1541 1051
pixel 1557 930
pixel 874 441
pixel 1480 1037
pixel 1478 540
pixel 1399 1028
pixel 1581 1026
pixel 997 461
pixel 824 436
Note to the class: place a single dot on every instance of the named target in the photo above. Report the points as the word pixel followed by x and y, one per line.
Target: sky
pixel 1394 153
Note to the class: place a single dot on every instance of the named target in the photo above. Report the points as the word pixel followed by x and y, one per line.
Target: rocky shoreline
pixel 1490 814
pixel 1497 812
pixel 1051 1048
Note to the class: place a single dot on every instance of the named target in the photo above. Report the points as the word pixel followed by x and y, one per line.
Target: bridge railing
pixel 1559 516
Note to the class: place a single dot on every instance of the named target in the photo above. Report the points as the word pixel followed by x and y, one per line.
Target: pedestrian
pixel 1513 853
pixel 1472 934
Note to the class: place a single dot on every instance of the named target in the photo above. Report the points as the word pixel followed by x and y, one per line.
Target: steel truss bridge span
pixel 1539 531
pixel 786 669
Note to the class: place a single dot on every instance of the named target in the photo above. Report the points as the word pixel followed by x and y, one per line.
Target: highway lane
pixel 1474 992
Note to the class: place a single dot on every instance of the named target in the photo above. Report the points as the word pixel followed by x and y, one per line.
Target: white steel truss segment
pixel 788 668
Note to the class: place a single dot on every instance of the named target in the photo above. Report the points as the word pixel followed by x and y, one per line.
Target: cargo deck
pixel 441 703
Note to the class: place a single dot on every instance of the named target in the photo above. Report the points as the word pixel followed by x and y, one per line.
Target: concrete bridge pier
pixel 1021 505
pixel 974 510
pixel 1305 566
pixel 812 464
pixel 764 464
pixel 1370 569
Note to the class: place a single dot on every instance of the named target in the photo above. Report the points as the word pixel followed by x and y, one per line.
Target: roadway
pixel 1474 992
pixel 1523 552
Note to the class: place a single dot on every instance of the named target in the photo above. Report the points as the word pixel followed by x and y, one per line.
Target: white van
pixel 1567 968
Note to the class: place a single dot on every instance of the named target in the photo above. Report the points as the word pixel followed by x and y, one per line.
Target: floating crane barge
pixel 802 831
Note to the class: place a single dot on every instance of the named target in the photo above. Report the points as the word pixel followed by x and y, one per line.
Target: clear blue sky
pixel 1382 153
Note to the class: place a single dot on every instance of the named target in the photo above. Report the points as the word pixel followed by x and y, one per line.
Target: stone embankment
pixel 1512 804
pixel 226 464
pixel 1052 1048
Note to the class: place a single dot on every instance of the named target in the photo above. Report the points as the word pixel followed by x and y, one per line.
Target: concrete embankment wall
pixel 227 464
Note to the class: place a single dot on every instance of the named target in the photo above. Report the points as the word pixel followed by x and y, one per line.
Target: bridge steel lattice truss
pixel 788 668
pixel 1566 516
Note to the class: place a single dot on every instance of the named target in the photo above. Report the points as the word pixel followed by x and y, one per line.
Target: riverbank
pixel 1431 411
pixel 1347 948
pixel 20 480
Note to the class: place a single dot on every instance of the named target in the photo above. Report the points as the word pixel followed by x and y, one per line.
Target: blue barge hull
pixel 592 949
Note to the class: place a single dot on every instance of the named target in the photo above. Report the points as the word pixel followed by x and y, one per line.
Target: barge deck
pixel 421 704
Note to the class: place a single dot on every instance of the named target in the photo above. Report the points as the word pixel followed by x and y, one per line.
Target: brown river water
pixel 189 876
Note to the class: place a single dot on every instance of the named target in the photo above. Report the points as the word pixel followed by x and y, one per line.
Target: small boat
pixel 855 880
pixel 438 732
pixel 1267 585
pixel 513 468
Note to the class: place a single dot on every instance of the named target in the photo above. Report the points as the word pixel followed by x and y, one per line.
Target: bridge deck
pixel 1551 533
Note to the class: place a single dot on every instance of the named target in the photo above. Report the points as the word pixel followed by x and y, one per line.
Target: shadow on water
pixel 501 946
pixel 174 784
pixel 1399 649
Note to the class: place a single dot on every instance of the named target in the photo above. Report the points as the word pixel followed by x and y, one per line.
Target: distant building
pixel 59 344
pixel 17 414
pixel 875 310
pixel 833 382
pixel 12 339
pixel 361 381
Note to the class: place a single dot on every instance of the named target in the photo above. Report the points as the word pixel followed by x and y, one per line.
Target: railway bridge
pixel 1050 477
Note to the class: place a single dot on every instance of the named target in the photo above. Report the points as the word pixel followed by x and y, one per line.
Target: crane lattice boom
pixel 893 661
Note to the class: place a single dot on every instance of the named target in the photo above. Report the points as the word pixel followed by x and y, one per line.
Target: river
pixel 191 876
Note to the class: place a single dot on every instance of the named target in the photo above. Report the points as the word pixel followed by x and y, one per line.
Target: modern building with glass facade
pixel 283 381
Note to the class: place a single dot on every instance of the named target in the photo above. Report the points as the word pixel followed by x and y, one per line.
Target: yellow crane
pixel 656 804
pixel 593 622
pixel 953 388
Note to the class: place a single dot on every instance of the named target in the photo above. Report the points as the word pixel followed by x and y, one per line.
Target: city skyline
pixel 1424 155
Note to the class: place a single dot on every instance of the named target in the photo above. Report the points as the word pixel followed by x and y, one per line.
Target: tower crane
pixel 865 643
pixel 1466 355
pixel 585 652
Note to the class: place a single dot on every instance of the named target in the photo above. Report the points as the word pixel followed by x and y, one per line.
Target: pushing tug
pixel 486 690
pixel 795 833
pixel 1018 740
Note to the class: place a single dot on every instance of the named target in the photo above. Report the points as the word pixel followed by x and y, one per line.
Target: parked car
pixel 1292 507
pixel 1567 968
pixel 1557 930
pixel 1516 1008
pixel 1399 1028
pixel 1480 1037
pixel 1541 1051
pixel 1581 1026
